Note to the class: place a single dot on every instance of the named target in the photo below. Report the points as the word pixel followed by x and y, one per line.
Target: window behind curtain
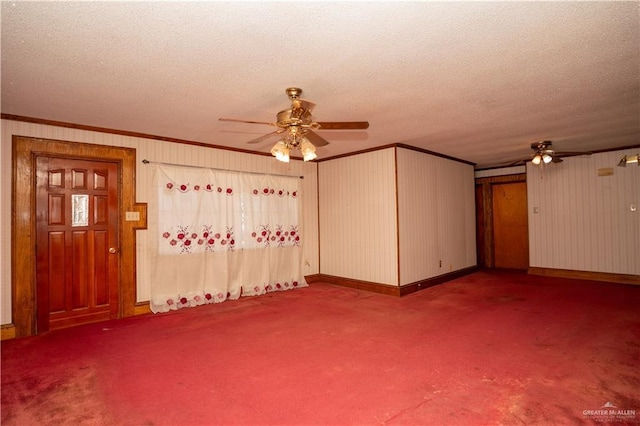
pixel 218 235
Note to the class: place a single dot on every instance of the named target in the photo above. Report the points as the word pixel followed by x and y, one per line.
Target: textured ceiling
pixel 478 81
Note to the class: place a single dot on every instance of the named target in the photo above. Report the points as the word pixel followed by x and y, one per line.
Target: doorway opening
pixel 502 239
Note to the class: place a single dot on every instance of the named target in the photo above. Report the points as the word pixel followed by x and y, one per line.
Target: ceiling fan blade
pixel 235 120
pixel 265 137
pixel 511 163
pixel 339 125
pixel 556 159
pixel 570 154
pixel 316 139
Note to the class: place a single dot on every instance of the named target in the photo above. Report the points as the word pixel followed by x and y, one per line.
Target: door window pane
pixel 80 210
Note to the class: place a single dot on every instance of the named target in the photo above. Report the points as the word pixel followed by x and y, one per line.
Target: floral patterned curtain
pixel 219 235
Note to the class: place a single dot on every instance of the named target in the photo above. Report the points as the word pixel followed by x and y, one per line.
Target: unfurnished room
pixel 320 213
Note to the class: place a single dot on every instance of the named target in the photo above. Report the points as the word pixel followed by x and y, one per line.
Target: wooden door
pixel 510 225
pixel 77 271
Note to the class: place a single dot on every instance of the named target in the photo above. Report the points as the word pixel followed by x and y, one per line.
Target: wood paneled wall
pixel 436 216
pixel 358 223
pixel 154 150
pixel 395 216
pixel 581 214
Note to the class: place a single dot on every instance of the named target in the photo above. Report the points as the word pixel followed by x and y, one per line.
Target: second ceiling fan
pixel 543 153
pixel 297 127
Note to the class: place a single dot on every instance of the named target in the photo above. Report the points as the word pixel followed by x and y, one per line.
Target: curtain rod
pixel 145 161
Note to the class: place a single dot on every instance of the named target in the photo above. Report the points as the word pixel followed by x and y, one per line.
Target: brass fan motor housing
pixel 293 117
pixel 297 121
pixel 293 92
pixel 541 146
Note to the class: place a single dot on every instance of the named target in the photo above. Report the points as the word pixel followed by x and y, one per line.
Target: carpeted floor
pixel 489 348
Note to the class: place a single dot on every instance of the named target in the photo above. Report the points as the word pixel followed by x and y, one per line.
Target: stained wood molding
pixel 358 284
pixel 23 241
pixel 586 275
pixel 440 279
pixel 387 289
pixel 141 223
pixel 315 278
pixel 107 130
pixel 8 331
pixel 142 308
pixel 395 146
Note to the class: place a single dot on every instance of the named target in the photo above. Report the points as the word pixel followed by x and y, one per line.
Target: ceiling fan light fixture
pixel 623 162
pixel 543 154
pixel 307 149
pixel 281 151
pixel 299 124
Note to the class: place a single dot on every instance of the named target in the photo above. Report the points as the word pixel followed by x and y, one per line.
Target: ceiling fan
pixel 298 128
pixel 543 153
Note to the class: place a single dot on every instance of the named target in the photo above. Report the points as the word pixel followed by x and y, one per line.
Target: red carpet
pixel 490 348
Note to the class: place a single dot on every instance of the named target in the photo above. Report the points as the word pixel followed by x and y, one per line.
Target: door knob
pixel 113 250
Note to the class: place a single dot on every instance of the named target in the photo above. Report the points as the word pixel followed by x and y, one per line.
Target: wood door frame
pixel 23 221
pixel 487 206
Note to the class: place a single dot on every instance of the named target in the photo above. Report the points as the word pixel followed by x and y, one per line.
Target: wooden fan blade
pixel 511 163
pixel 556 159
pixel 571 154
pixel 265 137
pixel 340 125
pixel 316 139
pixel 235 120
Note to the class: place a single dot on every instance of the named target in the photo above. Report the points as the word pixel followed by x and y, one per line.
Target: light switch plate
pixel 132 216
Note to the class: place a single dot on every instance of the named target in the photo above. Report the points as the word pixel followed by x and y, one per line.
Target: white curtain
pixel 219 235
